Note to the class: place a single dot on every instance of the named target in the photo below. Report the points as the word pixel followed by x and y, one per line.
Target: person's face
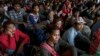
pixel 11 28
pixel 55 36
pixel 76 14
pixel 41 7
pixel 64 6
pixel 17 7
pixel 36 9
pixel 51 15
pixel 79 26
pixel 93 8
pixel 59 24
pixel 69 6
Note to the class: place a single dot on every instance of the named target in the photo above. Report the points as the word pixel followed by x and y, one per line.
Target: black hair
pixel 90 4
pixel 52 29
pixel 16 4
pixel 6 23
pixel 34 5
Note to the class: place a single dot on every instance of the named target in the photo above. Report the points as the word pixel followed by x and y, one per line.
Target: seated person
pixel 74 33
pixel 10 38
pixel 54 46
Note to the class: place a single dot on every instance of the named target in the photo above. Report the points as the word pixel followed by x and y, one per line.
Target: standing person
pixel 10 38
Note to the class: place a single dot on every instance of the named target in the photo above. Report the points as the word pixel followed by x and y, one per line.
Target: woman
pixel 59 23
pixel 53 39
pixel 54 46
pixel 10 38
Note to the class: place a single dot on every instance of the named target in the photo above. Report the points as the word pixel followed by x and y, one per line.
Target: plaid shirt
pixel 17 15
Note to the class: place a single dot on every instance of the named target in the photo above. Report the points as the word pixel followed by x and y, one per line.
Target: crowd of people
pixel 49 27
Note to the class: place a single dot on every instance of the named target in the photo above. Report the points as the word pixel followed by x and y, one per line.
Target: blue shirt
pixel 96 26
pixel 33 19
pixel 70 35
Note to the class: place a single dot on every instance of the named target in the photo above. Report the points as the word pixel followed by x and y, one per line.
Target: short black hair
pixel 6 23
pixel 51 29
pixel 34 5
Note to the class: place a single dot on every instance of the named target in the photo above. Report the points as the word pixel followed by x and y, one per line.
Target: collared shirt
pixel 36 17
pixel 70 35
pixel 33 19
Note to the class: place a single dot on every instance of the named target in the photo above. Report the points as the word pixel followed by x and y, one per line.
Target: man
pixel 74 32
pixel 17 15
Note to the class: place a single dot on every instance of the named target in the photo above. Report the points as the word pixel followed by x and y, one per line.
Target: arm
pixel 44 52
pixel 25 41
pixel 70 35
pixel 83 37
pixel 24 37
pixel 31 19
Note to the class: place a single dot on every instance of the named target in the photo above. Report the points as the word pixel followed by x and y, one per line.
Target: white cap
pixel 80 20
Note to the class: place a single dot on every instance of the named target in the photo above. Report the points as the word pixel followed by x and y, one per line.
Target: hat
pixel 80 20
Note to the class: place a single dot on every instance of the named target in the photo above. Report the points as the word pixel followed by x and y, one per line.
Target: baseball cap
pixel 80 20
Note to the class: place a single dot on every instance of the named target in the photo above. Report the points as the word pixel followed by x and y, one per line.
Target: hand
pixel 25 24
pixel 10 33
pixel 63 14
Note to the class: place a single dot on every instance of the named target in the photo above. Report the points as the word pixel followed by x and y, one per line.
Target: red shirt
pixel 95 42
pixel 8 42
pixel 66 12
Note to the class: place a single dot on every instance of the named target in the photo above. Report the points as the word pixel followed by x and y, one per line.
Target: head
pixel 9 26
pixel 76 13
pixel 35 8
pixel 51 16
pixel 58 22
pixel 17 6
pixel 79 24
pixel 54 35
pixel 68 4
pixel 41 7
pixel 93 7
pixel 64 6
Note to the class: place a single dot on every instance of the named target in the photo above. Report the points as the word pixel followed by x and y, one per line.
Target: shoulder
pixel 22 9
pixel 12 11
pixel 31 15
pixel 70 30
pixel 44 52
pixel 17 31
pixel 3 35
